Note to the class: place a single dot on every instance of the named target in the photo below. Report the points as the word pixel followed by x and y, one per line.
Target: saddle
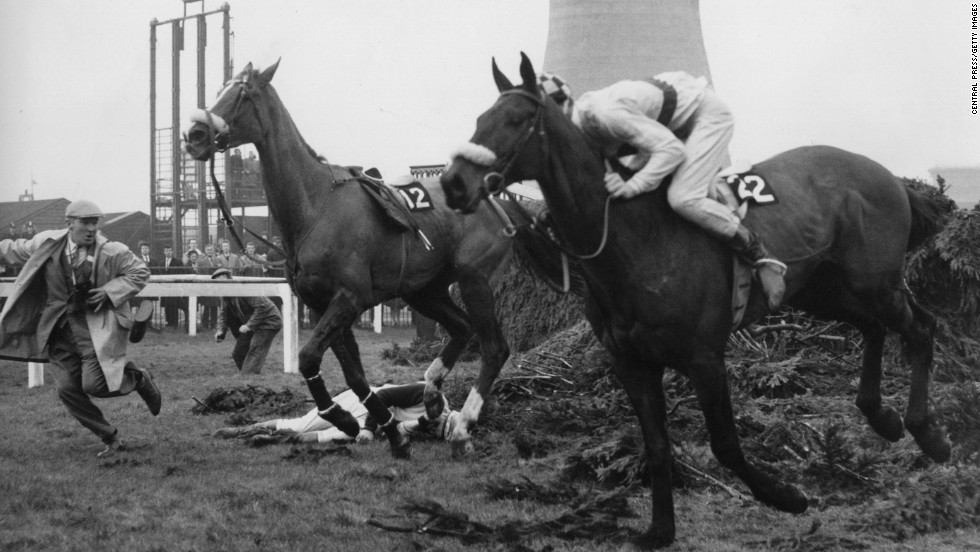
pixel 735 187
pixel 392 203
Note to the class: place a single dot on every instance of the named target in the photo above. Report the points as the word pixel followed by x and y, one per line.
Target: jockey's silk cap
pixel 82 209
pixel 220 272
pixel 555 87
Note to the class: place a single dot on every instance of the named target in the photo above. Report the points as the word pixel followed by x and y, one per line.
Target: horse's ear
pixel 527 73
pixel 503 83
pixel 267 73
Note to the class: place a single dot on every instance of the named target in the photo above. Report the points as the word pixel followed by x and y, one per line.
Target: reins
pixel 229 222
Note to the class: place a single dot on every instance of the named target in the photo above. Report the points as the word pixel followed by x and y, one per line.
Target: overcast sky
pixel 396 83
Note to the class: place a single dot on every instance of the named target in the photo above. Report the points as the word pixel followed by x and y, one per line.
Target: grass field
pixel 179 489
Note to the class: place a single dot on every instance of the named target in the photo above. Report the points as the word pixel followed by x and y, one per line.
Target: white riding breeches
pixel 705 153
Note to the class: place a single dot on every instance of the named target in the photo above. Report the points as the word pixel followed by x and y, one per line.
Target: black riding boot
pixel 748 246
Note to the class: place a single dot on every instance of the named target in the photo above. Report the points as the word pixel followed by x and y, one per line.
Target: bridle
pixel 220 142
pixel 494 181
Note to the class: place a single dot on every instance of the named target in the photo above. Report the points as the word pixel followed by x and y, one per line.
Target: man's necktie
pixel 81 265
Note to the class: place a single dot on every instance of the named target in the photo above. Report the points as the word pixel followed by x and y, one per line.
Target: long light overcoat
pixel 28 317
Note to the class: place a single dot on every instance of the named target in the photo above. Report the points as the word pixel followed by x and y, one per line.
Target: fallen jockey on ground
pixel 404 401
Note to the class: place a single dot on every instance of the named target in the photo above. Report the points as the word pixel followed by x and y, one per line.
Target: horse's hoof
pixel 783 497
pixel 887 422
pixel 788 498
pixel 401 451
pixel 434 407
pixel 401 447
pixel 344 421
pixel 462 448
pixel 933 443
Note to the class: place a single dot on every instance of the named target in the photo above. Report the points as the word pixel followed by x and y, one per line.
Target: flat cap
pixel 220 272
pixel 82 208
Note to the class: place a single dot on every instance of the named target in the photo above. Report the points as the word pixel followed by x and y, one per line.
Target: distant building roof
pixel 46 214
pixel 962 183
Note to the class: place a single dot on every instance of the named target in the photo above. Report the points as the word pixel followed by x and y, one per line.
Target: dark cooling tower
pixel 594 43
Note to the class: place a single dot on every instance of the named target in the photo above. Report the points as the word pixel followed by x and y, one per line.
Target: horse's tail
pixel 929 213
pixel 536 251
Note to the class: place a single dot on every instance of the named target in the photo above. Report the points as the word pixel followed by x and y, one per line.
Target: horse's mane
pixel 309 149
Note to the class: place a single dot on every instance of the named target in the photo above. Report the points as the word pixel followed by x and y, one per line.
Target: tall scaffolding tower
pixel 182 204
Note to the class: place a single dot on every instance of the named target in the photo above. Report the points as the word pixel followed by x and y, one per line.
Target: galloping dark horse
pixel 343 256
pixel 659 293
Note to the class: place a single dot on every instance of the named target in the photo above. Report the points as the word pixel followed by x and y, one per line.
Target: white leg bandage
pixel 436 372
pixel 471 409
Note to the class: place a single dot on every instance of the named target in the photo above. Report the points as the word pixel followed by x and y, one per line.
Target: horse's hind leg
pixel 895 307
pixel 917 328
pixel 835 300
pixel 707 373
pixel 437 305
pixel 884 420
pixel 871 311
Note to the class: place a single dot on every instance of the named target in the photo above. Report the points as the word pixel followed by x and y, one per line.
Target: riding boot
pixel 748 246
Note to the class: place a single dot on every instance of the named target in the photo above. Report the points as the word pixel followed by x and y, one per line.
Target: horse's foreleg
pixel 707 374
pixel 644 387
pixel 348 355
pixel 478 297
pixel 437 305
pixel 310 357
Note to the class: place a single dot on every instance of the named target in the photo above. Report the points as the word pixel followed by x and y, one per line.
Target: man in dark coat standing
pixel 254 321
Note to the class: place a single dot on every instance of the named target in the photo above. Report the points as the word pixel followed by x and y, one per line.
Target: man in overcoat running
pixel 70 306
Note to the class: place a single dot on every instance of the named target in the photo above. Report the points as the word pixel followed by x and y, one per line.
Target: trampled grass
pixel 179 489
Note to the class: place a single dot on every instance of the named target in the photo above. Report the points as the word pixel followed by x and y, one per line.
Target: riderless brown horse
pixel 344 256
pixel 659 292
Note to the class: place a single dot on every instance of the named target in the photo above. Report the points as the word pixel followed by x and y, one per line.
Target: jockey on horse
pixel 672 123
